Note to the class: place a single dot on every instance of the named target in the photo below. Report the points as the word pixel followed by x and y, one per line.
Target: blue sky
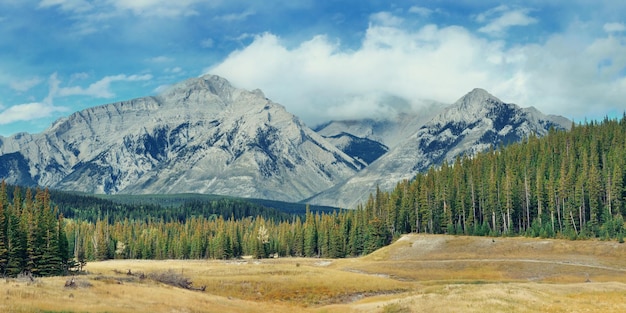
pixel 320 59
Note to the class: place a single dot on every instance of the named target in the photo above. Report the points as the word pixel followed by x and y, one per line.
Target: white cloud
pixel 501 18
pixel 614 27
pixel 77 6
pixel 27 112
pixel 386 19
pixel 318 80
pixel 25 85
pixel 425 12
pixel 101 88
pixel 174 70
pixel 46 108
pixel 234 17
pixel 159 8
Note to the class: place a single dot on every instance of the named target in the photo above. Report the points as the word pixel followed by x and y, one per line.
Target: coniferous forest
pixel 566 185
pixel 32 235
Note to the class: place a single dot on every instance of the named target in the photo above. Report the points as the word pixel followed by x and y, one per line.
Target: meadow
pixel 417 273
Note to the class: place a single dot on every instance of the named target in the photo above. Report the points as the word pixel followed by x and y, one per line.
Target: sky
pixel 322 60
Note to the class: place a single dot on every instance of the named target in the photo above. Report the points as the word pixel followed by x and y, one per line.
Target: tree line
pixel 329 235
pixel 91 208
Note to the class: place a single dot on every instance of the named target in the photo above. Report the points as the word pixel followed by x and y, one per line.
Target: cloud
pixel 385 19
pixel 501 18
pixel 99 89
pixel 46 107
pixel 424 12
pixel 25 85
pixel 319 80
pixel 158 8
pixel 78 76
pixel 161 59
pixel 76 6
pixel 174 70
pixel 27 112
pixel 234 17
pixel 614 27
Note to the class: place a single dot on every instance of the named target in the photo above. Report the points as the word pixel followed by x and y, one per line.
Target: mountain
pixel 388 131
pixel 473 124
pixel 206 136
pixel 201 136
pixel 368 139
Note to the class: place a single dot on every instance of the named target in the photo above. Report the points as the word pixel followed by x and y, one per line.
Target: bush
pixel 396 308
pixel 171 278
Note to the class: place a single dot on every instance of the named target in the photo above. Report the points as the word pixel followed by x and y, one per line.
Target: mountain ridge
pixel 201 135
pixel 474 123
pixel 204 135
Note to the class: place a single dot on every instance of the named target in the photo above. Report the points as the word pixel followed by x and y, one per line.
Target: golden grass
pixel 418 273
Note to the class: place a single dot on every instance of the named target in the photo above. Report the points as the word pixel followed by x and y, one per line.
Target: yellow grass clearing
pixel 418 273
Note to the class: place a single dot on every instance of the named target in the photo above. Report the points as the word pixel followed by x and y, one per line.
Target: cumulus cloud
pixel 320 80
pixel 501 18
pixel 317 80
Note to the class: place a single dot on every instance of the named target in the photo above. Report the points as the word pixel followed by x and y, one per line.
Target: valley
pixel 417 273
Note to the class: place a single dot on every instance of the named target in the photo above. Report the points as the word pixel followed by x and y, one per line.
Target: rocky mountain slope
pixel 474 123
pixel 202 136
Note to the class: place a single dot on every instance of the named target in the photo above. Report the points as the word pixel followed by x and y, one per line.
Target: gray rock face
pixel 202 136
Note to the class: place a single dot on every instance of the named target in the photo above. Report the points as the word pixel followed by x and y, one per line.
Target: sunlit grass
pixel 416 274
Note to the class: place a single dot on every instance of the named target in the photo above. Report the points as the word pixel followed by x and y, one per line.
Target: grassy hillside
pixel 418 273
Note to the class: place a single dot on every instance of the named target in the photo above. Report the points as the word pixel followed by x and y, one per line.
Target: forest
pixel 32 235
pixel 568 184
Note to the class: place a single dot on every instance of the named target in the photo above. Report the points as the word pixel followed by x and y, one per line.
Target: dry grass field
pixel 418 273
